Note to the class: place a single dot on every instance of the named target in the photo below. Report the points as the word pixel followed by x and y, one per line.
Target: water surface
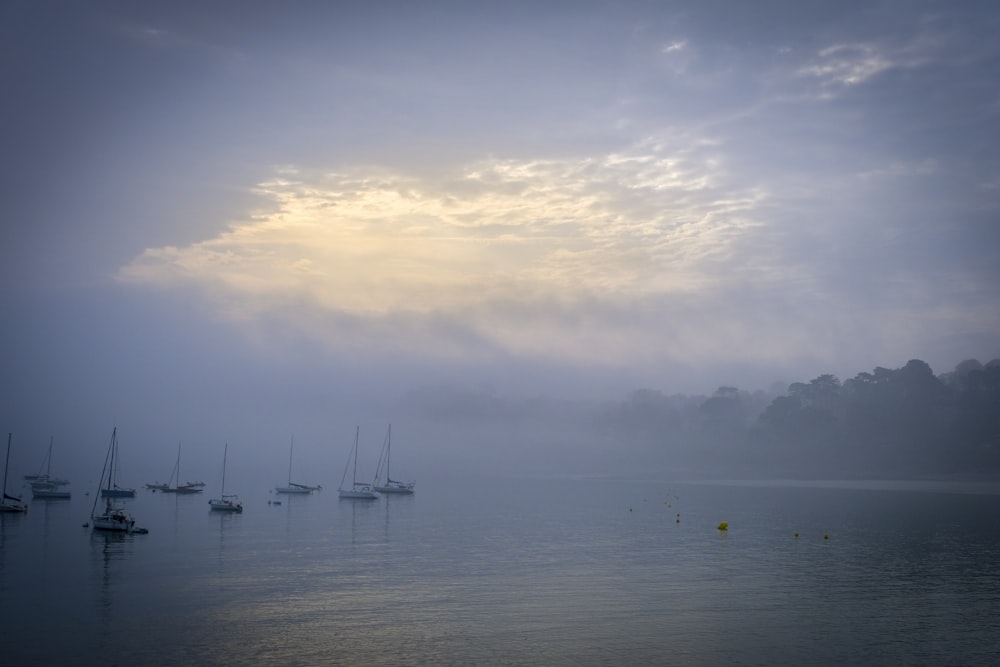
pixel 518 572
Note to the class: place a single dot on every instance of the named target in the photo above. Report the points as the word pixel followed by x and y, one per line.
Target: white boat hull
pixel 294 490
pixel 114 521
pixel 226 505
pixel 358 493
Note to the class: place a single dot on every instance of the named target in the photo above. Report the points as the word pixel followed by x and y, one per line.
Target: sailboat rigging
pixel 46 486
pixel 226 503
pixel 10 503
pixel 357 490
pixel 295 487
pixel 173 484
pixel 112 519
pixel 113 490
pixel 389 485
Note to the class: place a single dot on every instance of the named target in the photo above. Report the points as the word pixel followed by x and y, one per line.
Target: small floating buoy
pixel 826 536
pixel 86 524
pixel 723 526
pixel 796 534
pixel 629 509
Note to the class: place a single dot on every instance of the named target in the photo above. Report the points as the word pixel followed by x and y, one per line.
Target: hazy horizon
pixel 243 221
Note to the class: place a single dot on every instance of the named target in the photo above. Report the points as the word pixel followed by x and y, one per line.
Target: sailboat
pixel 357 490
pixel 294 487
pixel 47 486
pixel 113 518
pixel 224 503
pixel 10 503
pixel 113 490
pixel 173 484
pixel 45 477
pixel 388 485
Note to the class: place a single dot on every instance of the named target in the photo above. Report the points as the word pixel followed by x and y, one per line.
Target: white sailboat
pixel 113 519
pixel 295 487
pixel 389 485
pixel 224 503
pixel 357 490
pixel 10 503
pixel 46 486
pixel 173 484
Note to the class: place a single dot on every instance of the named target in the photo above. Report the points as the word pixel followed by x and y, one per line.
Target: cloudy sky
pixel 294 203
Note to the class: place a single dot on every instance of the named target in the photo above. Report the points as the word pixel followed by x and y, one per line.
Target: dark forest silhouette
pixel 905 422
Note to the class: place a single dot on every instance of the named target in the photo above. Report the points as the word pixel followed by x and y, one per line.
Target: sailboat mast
pixel 291 448
pixel 5 466
pixel 388 451
pixel 356 455
pixel 224 452
pixel 111 468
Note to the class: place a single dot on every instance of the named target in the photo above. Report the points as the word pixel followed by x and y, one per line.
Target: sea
pixel 515 571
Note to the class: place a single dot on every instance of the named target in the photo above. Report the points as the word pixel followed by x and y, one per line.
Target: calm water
pixel 513 572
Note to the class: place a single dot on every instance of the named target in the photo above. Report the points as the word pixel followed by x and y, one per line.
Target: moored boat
pixel 113 519
pixel 226 503
pixel 9 503
pixel 388 484
pixel 357 490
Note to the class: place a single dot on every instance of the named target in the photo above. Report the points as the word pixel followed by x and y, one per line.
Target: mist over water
pixel 615 272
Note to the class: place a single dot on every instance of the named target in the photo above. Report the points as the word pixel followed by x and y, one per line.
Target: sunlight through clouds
pixel 511 251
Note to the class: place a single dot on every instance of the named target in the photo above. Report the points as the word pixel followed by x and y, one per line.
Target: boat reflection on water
pixel 108 551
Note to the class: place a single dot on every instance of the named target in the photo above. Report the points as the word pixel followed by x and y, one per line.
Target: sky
pixel 243 212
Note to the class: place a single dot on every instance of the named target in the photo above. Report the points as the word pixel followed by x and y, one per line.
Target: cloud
pixel 501 256
pixel 847 64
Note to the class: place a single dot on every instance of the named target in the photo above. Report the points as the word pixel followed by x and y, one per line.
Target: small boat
pixel 357 490
pixel 294 487
pixel 46 486
pixel 173 484
pixel 46 477
pixel 10 503
pixel 113 519
pixel 113 490
pixel 224 503
pixel 389 485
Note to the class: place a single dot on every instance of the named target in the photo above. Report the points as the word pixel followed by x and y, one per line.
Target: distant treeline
pixel 901 422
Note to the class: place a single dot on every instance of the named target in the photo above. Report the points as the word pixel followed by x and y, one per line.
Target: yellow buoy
pixel 796 534
pixel 724 525
pixel 826 536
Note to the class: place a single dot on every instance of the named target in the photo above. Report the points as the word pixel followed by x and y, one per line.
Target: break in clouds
pixel 518 256
pixel 643 256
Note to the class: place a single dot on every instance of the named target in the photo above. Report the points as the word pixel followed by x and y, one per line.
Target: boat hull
pixel 51 494
pixel 358 494
pixel 10 507
pixel 115 522
pixel 225 505
pixel 117 493
pixel 294 490
pixel 394 490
